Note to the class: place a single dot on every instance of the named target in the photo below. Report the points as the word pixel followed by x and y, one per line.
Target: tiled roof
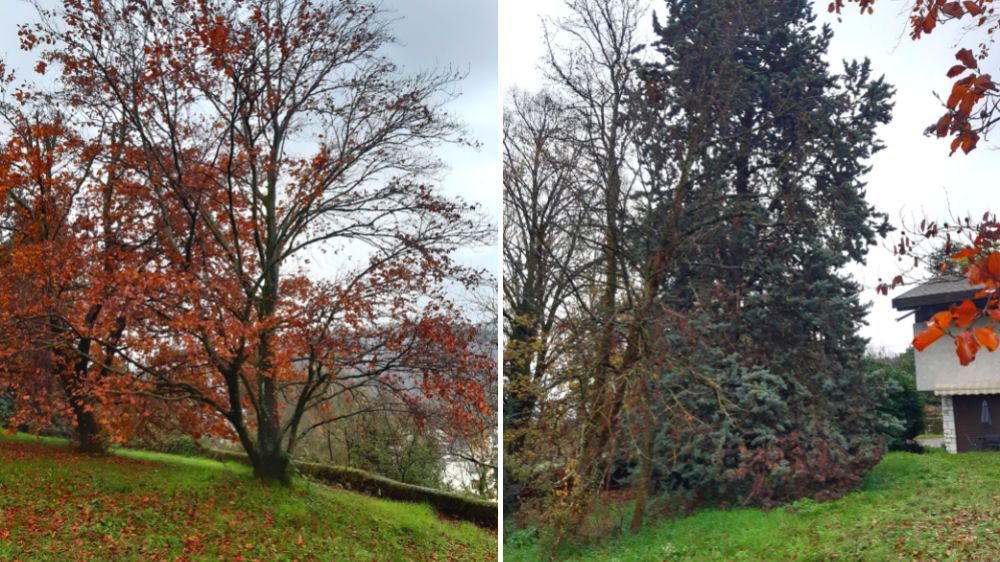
pixel 943 290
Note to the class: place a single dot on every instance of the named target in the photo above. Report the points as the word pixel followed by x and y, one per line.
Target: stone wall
pixel 948 424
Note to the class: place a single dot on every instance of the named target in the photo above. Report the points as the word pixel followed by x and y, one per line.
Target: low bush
pixel 901 402
pixel 474 510
pixel 179 444
pixel 477 511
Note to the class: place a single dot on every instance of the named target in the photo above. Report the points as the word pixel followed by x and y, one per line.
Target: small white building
pixel 970 395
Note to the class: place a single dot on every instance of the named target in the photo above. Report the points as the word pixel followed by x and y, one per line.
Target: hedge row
pixel 480 512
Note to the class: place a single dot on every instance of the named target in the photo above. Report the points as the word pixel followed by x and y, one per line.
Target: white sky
pixel 912 178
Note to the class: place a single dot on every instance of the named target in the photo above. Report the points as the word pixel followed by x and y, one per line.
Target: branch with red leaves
pixel 979 261
pixel 974 99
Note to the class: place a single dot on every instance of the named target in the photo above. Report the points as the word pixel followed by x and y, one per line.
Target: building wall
pixel 938 364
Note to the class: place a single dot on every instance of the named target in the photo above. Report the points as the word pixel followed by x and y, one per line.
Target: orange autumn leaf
pixel 941 128
pixel 966 347
pixel 953 9
pixel 966 253
pixel 966 57
pixel 929 23
pixel 965 314
pixel 922 340
pixel 972 7
pixel 943 319
pixel 955 144
pixel 960 90
pixel 955 71
pixel 987 338
pixel 968 140
pixel 993 265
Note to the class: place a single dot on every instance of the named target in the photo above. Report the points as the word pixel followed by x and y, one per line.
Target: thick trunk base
pixel 90 444
pixel 88 431
pixel 273 469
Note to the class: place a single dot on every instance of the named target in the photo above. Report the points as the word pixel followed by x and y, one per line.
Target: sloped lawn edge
pixel 480 512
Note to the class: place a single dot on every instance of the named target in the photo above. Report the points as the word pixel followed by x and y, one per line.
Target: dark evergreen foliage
pixel 903 406
pixel 763 392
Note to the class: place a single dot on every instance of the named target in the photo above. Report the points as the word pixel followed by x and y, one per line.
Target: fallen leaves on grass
pixel 57 505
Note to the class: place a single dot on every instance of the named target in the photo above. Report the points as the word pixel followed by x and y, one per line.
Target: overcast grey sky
pixel 461 34
pixel 911 179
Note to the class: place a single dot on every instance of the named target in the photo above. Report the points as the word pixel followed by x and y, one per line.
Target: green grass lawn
pixel 57 505
pixel 910 507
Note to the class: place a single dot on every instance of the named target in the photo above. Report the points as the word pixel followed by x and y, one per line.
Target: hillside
pixel 59 505
pixel 911 507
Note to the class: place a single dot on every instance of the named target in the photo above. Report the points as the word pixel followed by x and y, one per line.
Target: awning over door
pixel 967 388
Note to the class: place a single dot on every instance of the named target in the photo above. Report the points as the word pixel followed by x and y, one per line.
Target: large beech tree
pixel 266 135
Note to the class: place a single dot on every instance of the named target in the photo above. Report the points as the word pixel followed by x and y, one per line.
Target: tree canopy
pixel 163 204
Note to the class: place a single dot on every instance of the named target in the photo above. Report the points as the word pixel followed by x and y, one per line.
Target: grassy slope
pixel 57 505
pixel 923 507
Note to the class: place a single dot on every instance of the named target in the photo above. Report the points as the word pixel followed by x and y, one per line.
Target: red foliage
pixel 980 262
pixel 177 272
pixel 962 120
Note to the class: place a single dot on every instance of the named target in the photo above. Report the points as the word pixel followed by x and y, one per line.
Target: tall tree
pixel 543 212
pixel 590 61
pixel 775 189
pixel 265 132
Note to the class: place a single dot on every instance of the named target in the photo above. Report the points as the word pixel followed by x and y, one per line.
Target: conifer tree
pixel 760 387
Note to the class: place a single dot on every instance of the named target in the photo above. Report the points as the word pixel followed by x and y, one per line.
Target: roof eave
pixel 910 303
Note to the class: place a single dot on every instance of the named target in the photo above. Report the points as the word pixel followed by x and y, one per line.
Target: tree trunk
pixel 88 431
pixel 519 406
pixel 272 464
pixel 645 483
pixel 329 443
pixel 70 365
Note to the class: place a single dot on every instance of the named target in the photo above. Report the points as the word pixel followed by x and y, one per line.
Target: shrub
pixel 901 402
pixel 177 444
pixel 392 445
pixel 777 441
pixel 480 512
